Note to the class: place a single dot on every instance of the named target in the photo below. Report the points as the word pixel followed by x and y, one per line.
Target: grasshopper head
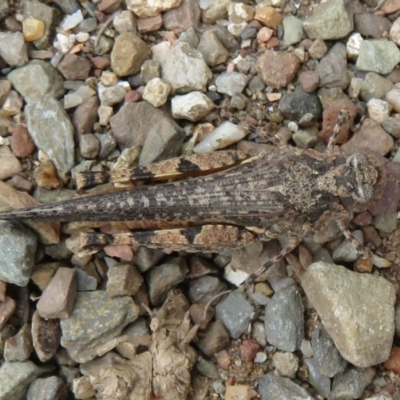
pixel 359 180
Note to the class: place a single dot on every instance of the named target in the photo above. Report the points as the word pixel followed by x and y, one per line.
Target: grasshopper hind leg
pixel 205 238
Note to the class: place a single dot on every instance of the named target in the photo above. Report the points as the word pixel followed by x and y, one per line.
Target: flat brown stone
pixel 58 298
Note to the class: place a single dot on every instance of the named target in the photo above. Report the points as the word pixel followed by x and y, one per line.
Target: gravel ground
pixel 111 84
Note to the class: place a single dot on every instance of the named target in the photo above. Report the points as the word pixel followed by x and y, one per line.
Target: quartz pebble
pixel 226 134
pixel 192 106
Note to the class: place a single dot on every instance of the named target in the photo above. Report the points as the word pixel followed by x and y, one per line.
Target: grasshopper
pixel 292 191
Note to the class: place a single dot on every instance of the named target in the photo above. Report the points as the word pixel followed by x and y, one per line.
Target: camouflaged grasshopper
pixel 292 191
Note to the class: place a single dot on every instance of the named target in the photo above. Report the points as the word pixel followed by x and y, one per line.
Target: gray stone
pixel 294 105
pixel 88 24
pixel 231 83
pixel 292 31
pixel 320 382
pixel 131 124
pixel 235 313
pixel 214 339
pixel 213 51
pixel 162 278
pixel 189 37
pixel 392 125
pixel 163 141
pixel 36 80
pixel 15 377
pixel 146 258
pixel 150 69
pixel 203 289
pixel 207 368
pixel 183 68
pixel 284 319
pixel 51 388
pixel 52 131
pixel 329 21
pixel 351 384
pixel 17 253
pixel 386 222
pixel 108 144
pixel 225 37
pixel 326 355
pixel 271 386
pixel 96 318
pixel 374 86
pixel 304 139
pixel 357 310
pixel 379 56
pixel 13 48
pixel 371 25
pixel 346 252
pixel 332 69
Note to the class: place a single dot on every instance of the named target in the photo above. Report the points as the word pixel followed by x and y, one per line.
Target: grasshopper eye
pixel 357 159
pixel 363 194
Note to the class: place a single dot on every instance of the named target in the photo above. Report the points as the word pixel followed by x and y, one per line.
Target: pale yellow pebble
pixel 238 392
pixel 33 29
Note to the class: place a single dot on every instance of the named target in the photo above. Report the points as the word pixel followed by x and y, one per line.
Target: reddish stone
pixel 249 349
pixel 273 42
pixel 183 17
pixel 19 347
pixel 133 96
pixel 330 117
pixel 21 142
pixel 309 81
pixel 387 202
pixel 109 6
pixel 363 219
pixel 74 67
pixel 58 298
pixel 277 69
pixel 370 136
pixel 393 362
pixel 150 24
pixel 101 17
pixel 7 309
pixel 100 62
pixel 223 359
pixel 125 253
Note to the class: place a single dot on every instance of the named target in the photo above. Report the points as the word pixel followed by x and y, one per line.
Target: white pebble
pixel 393 98
pixel 223 136
pixel 85 92
pixel 82 37
pixel 260 357
pixel 71 21
pixel 156 92
pixel 192 106
pixel 71 100
pixel 293 127
pixel 378 110
pixel 353 46
pixel 64 43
